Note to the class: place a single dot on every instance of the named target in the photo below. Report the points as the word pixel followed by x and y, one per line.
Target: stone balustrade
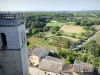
pixel 8 19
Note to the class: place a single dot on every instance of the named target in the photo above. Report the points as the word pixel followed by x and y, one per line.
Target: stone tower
pixel 13 46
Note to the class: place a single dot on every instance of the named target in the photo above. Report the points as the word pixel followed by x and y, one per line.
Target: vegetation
pixel 39 42
pixel 39 19
pixel 61 42
pixel 97 38
pixel 61 31
pixel 54 24
pixel 90 53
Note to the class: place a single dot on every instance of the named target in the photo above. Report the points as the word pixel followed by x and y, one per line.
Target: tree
pixel 47 28
pixel 86 27
pixel 34 31
pixel 73 35
pixel 96 62
pixel 28 24
pixel 58 33
pixel 92 28
pixel 28 43
pixel 40 35
pixel 92 48
pixel 69 55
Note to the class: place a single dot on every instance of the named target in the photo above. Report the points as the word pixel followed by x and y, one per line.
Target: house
pixel 28 30
pixel 51 66
pixel 78 68
pixel 37 54
pixel 53 21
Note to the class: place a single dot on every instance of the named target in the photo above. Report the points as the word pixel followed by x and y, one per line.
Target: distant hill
pixel 91 11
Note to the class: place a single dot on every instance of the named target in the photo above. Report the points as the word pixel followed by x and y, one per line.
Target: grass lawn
pixel 39 43
pixel 53 24
pixel 72 23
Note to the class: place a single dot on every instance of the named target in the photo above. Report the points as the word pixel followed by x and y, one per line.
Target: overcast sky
pixel 49 5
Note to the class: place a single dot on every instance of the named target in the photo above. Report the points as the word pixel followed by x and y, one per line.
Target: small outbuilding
pixel 37 55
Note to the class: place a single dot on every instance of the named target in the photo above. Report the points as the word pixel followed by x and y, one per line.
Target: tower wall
pixel 14 62
pixel 10 60
pixel 12 37
pixel 24 59
pixel 14 54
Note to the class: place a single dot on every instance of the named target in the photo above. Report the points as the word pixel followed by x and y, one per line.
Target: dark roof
pixel 82 67
pixel 38 51
pixel 51 64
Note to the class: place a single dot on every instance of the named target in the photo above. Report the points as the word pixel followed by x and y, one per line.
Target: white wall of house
pixel 34 60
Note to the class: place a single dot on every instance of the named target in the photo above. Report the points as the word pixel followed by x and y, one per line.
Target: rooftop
pixel 51 64
pixel 54 59
pixel 67 68
pixel 82 67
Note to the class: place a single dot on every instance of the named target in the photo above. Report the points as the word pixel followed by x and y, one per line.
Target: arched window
pixel 4 41
pixel 22 37
pixel 1 70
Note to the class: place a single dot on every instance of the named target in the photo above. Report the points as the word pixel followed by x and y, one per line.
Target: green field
pixel 53 24
pixel 39 43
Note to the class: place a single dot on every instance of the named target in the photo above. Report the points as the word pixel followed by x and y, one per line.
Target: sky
pixel 49 5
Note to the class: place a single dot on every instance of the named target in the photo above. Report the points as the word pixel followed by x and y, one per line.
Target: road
pixel 85 41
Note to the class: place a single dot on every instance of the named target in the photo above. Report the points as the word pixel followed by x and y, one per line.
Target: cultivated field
pixel 72 29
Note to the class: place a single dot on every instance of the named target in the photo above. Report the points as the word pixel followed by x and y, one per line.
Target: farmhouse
pixel 52 66
pixel 38 54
